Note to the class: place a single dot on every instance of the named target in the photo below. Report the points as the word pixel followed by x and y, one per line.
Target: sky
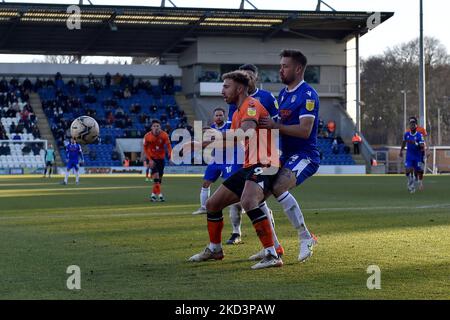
pixel 402 27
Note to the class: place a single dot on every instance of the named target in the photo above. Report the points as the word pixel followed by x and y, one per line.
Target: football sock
pixel 263 230
pixel 263 206
pixel 77 176
pixel 204 195
pixel 156 188
pixel 294 214
pixel 147 171
pixel 235 218
pixel 215 227
pixel 67 176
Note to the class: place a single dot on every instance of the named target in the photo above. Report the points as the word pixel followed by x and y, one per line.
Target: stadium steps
pixel 44 125
pixel 185 105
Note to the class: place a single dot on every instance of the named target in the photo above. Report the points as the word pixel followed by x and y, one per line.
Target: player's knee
pixel 249 203
pixel 212 205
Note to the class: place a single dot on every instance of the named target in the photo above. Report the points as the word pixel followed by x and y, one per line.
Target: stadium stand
pixel 122 108
pixel 18 123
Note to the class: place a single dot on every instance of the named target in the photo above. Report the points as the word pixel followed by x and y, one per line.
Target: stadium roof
pixel 156 31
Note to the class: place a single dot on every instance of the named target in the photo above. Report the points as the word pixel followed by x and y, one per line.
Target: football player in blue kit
pixel 414 161
pixel 297 125
pixel 74 157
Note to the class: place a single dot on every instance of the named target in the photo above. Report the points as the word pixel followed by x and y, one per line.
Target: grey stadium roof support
pixel 152 31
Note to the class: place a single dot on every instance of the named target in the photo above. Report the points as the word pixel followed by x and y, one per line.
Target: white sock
pixel 271 250
pixel 67 176
pixel 263 206
pixel 204 195
pixel 77 177
pixel 294 214
pixel 215 247
pixel 235 218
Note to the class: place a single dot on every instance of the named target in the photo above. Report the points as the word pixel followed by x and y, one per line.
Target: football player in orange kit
pixel 249 184
pixel 154 142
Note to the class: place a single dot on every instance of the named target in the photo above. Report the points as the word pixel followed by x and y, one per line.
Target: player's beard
pixel 287 80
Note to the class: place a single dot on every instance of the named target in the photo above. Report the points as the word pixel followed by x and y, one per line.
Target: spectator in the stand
pixel 91 79
pixel 35 132
pixel 110 119
pixel 126 93
pixel 135 108
pixel 335 146
pixel 117 79
pixel 320 126
pixel 153 108
pixel 356 139
pixel 16 137
pixel 128 122
pixel 163 118
pixel 107 80
pixel 27 85
pixel 120 113
pixel 331 128
pixel 168 129
pixel 126 162
pixel 142 118
pixel 12 127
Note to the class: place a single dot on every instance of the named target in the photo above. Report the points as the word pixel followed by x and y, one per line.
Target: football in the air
pixel 85 130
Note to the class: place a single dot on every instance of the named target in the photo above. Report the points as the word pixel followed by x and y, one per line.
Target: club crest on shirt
pixel 251 112
pixel 310 104
pixel 294 97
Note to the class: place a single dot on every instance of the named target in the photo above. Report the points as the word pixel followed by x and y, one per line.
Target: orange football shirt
pixel 258 149
pixel 154 145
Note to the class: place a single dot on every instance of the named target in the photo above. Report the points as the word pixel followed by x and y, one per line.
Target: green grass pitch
pixel 129 248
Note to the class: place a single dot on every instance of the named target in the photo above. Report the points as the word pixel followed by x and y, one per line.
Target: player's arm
pixel 274 106
pixel 402 147
pixel 302 130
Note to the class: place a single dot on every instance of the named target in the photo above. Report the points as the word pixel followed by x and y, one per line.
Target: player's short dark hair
pixel 156 121
pixel 296 55
pixel 249 67
pixel 413 119
pixel 238 76
pixel 219 109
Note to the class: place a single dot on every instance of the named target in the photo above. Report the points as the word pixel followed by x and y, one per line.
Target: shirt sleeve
pixel 309 106
pixel 251 111
pixel 273 106
pixel 405 136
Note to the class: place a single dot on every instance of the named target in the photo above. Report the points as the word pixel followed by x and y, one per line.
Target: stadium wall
pixel 32 70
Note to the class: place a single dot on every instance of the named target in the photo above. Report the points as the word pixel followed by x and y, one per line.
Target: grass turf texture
pixel 129 248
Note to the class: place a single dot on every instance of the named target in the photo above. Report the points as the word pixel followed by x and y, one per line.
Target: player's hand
pixel 267 123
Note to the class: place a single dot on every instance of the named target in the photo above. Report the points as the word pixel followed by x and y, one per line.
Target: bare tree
pixel 383 78
pixel 61 59
pixel 145 60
